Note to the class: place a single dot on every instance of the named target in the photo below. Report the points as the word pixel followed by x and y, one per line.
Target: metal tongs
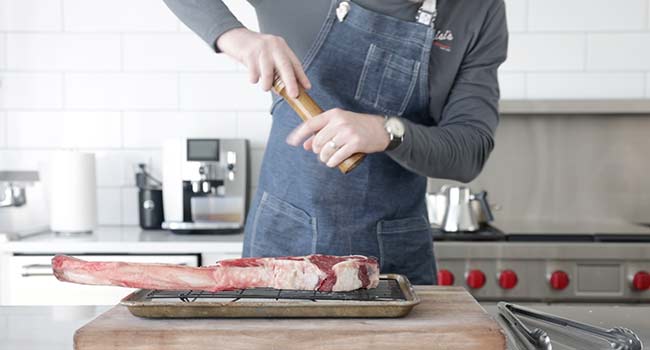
pixel 619 338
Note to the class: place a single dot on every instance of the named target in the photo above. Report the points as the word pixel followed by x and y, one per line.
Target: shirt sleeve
pixel 458 147
pixel 207 18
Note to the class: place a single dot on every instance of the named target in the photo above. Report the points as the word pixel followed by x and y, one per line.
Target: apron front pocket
pixel 406 247
pixel 282 229
pixel 387 81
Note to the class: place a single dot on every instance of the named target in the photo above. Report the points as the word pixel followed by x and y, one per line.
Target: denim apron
pixel 366 63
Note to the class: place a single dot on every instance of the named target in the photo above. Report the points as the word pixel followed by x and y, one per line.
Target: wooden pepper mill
pixel 307 108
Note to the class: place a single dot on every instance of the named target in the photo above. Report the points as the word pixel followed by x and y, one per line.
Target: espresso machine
pixel 205 185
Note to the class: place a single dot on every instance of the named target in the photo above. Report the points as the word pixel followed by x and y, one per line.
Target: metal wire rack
pixel 387 290
pixel 393 297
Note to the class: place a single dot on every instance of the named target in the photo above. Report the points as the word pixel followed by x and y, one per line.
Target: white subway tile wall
pixel 220 91
pixel 532 52
pixel 120 91
pixel 619 52
pixel 586 15
pixel 151 52
pixel 109 204
pixel 3 51
pixel 3 129
pixel 513 85
pixel 118 77
pixel 27 90
pixel 585 85
pixel 255 127
pixel 150 129
pixel 121 16
pixel 517 18
pixel 54 129
pixel 129 206
pixel 63 52
pixel 30 15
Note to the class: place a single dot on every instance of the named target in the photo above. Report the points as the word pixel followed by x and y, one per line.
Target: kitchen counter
pixel 52 327
pixel 43 327
pixel 123 239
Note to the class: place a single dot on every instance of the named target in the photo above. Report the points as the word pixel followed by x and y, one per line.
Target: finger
pixel 308 145
pixel 253 72
pixel 340 155
pixel 285 68
pixel 307 129
pixel 327 152
pixel 300 72
pixel 325 135
pixel 267 71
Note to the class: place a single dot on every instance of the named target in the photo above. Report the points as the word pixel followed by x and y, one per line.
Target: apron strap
pixel 427 13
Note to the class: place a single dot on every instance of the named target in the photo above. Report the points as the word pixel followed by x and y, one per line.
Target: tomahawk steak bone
pixel 313 272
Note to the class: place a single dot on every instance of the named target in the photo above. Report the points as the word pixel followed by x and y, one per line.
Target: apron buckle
pixel 426 17
pixel 342 10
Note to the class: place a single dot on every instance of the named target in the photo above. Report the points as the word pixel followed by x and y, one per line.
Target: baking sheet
pixel 394 297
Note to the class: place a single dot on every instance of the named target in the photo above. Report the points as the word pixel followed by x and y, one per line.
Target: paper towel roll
pixel 73 203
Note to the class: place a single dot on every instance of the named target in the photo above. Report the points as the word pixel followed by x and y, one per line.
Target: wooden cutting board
pixel 447 318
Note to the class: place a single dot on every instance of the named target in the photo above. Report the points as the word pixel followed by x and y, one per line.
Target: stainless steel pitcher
pixel 457 209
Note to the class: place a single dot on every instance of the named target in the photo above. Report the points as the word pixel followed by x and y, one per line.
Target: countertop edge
pixel 580 107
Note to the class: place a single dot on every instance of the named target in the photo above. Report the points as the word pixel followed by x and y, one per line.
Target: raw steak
pixel 313 272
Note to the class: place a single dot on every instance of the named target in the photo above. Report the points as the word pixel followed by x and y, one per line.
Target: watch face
pixel 395 126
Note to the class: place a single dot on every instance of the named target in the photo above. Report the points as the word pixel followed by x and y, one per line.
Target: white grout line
pixel 121 211
pixel 237 130
pixel 124 71
pixel 178 92
pixel 99 32
pixel 526 30
pixel 122 129
pixel 63 94
pixel 62 13
pixel 586 52
pixel 525 85
pixel 5 126
pixel 647 16
pixel 241 73
pixel 580 31
pixel 138 110
pixel 121 52
pixel 527 18
pixel 5 53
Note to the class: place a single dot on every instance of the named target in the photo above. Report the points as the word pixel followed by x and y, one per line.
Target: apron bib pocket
pixel 282 229
pixel 387 81
pixel 406 247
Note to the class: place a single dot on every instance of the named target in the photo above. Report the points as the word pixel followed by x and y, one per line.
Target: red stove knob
pixel 641 281
pixel 445 278
pixel 559 280
pixel 475 279
pixel 507 279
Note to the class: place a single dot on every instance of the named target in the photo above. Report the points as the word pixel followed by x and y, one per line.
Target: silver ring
pixel 333 144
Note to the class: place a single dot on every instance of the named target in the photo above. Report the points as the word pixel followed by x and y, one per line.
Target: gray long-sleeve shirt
pixel 471 43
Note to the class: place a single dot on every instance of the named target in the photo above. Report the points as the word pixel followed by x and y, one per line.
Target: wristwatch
pixel 395 129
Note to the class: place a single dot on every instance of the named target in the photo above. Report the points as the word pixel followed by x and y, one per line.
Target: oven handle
pixel 39 267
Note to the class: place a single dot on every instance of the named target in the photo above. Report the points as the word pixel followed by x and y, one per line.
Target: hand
pixel 265 56
pixel 336 134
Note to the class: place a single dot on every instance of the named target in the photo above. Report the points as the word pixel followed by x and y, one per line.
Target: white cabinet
pixel 30 280
pixel 212 258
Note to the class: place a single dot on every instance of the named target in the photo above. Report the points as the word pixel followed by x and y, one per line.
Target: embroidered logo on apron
pixel 441 36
